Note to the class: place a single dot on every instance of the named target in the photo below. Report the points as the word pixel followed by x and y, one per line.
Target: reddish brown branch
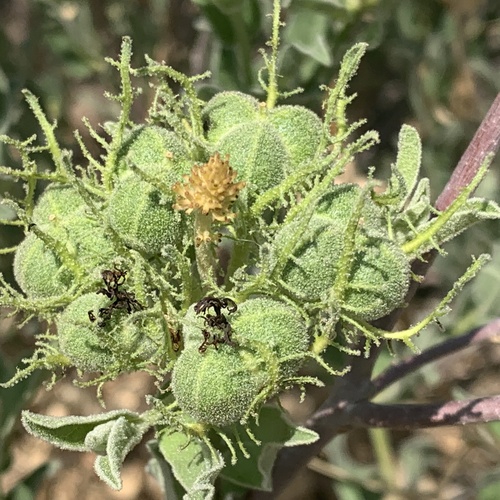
pixel 485 142
pixel 487 333
pixel 417 416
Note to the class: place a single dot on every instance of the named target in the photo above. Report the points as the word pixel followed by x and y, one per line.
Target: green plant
pixel 229 260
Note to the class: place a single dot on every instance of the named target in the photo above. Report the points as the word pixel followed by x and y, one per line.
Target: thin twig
pixel 487 333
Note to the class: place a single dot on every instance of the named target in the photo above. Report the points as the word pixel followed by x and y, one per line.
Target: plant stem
pixel 272 89
pixel 382 448
pixel 205 254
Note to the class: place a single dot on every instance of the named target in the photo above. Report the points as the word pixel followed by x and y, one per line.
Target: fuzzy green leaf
pixel 274 432
pixel 192 463
pixel 425 237
pixel 408 161
pixel 69 433
pixel 416 214
pixel 97 439
pixel 473 210
pixel 160 469
pixel 337 99
pixel 121 436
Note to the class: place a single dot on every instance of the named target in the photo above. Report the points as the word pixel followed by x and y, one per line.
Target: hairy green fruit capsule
pixel 226 111
pixel 300 131
pixel 93 346
pixel 158 152
pixel 260 324
pixel 340 203
pixel 266 323
pixel 82 340
pixel 61 214
pixel 377 273
pixel 378 276
pixel 218 386
pixel 139 212
pixel 264 145
pixel 379 280
pixel 56 209
pixel 143 217
pixel 256 153
pixel 38 271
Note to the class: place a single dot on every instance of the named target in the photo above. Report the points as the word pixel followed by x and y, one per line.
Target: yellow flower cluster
pixel 210 188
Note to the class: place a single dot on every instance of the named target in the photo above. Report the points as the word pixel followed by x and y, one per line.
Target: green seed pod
pixel 218 386
pixel 56 208
pixel 62 214
pixel 143 217
pixel 377 282
pixel 84 341
pixel 263 145
pixel 310 268
pixel 92 247
pixel 257 153
pixel 258 322
pixel 227 110
pixel 340 203
pixel 300 131
pixel 139 212
pixel 38 271
pixel 275 325
pixel 159 153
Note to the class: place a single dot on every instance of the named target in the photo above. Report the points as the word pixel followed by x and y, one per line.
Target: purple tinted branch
pixel 486 141
pixel 416 416
pixel 487 333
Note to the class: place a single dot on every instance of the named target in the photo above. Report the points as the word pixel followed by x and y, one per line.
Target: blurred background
pixel 432 63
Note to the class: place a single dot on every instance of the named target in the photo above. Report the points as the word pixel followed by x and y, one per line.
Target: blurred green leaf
pixel 307 31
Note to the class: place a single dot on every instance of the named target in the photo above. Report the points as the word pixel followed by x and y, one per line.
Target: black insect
pixel 216 321
pixel 113 280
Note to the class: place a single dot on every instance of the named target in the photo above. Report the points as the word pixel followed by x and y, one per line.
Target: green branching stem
pixel 7 250
pixel 48 130
pixel 412 247
pixel 126 99
pixel 272 63
pixel 97 167
pixel 335 105
pixel 365 142
pixel 345 262
pixel 187 83
pixel 331 165
pixel 29 175
pixel 45 357
pixel 205 254
pixel 241 248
